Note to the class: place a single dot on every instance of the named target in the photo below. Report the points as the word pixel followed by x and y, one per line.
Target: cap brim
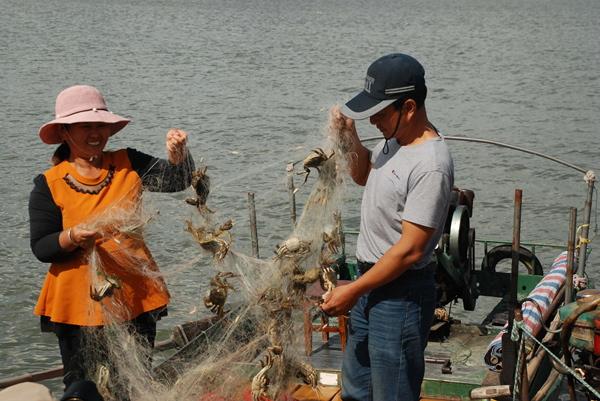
pixel 364 106
pixel 50 132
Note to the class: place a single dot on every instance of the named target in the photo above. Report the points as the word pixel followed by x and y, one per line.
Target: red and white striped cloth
pixel 543 294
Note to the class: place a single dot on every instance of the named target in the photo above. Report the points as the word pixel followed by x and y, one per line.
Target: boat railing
pixel 589 178
pixel 487 242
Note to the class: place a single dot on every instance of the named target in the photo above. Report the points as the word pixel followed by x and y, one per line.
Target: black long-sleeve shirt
pixel 45 217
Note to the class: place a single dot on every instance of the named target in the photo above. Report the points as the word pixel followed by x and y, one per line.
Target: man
pixel 408 178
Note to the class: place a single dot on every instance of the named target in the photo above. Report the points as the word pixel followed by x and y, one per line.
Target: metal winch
pixel 455 253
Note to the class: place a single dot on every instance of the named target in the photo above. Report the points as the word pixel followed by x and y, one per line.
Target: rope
pixel 596 212
pixel 589 176
pixel 582 239
pixel 558 360
pixel 580 282
pixel 517 378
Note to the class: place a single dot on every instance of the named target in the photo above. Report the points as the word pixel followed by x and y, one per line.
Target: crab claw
pixel 305 173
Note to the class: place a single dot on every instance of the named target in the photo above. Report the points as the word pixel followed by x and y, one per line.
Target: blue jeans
pixel 384 358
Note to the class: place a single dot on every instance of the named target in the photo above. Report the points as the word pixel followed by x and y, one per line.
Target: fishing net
pixel 248 344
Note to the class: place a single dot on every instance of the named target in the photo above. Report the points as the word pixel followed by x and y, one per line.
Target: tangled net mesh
pixel 249 345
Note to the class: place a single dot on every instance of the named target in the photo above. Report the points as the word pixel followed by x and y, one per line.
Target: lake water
pixel 252 82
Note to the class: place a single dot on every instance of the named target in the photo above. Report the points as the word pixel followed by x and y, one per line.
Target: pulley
pixel 458 245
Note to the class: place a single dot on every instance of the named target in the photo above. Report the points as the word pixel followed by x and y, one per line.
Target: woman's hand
pixel 77 237
pixel 176 145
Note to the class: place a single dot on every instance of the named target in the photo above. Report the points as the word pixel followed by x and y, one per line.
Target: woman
pixel 100 271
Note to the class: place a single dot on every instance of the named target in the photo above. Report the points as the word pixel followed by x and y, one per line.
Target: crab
pixel 103 286
pixel 217 295
pixel 201 186
pixel 260 382
pixel 328 278
pixel 216 241
pixel 331 241
pixel 302 370
pixel 441 314
pixel 275 302
pixel 306 372
pixel 315 159
pixel 103 380
pixel 226 226
pixel 279 329
pixel 300 279
pixel 327 260
pixel 307 277
pixel 292 247
pixel 279 311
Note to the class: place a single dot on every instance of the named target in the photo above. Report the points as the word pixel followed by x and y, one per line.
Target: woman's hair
pixel 61 154
pixel 63 151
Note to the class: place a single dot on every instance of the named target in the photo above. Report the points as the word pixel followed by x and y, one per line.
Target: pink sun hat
pixel 77 104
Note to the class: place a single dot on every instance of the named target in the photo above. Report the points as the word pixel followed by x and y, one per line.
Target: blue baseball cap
pixel 388 79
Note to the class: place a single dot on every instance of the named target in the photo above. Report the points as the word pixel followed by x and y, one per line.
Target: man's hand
pixel 341 124
pixel 345 136
pixel 339 300
pixel 176 145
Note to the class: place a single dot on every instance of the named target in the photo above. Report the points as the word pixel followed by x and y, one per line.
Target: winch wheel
pixel 458 245
pixel 501 252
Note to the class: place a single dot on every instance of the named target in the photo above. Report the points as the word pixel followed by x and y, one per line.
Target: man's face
pixel 387 120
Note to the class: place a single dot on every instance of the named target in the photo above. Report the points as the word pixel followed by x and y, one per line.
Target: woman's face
pixel 87 139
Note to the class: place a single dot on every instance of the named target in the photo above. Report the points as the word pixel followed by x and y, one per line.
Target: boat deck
pixel 452 368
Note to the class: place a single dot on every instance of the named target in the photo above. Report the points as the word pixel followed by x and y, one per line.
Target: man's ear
pixel 410 107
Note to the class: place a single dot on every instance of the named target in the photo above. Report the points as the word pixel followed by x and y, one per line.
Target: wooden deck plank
pixel 321 393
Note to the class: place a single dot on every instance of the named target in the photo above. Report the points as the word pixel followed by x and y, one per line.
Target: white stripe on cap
pixel 393 91
pixel 361 115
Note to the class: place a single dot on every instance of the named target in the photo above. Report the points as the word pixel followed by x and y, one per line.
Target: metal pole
pixel 585 228
pixel 570 255
pixel 33 377
pixel 509 349
pixel 253 231
pixel 291 192
pixel 516 244
pixel 524 379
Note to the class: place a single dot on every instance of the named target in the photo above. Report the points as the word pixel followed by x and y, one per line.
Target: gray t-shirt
pixel 411 183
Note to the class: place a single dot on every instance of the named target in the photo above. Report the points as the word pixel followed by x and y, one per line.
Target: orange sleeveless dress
pixel 65 294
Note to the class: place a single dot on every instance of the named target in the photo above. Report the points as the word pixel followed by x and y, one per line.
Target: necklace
pixel 90 189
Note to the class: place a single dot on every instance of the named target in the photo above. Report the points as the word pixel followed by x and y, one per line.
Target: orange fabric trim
pixel 65 294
